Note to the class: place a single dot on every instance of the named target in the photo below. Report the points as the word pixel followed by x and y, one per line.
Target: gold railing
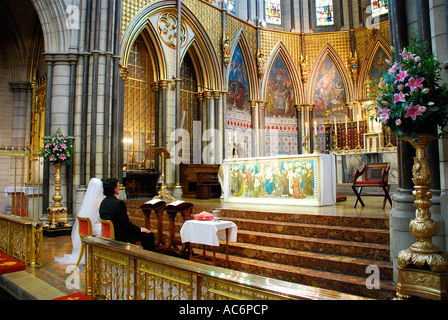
pixel 21 238
pixel 118 270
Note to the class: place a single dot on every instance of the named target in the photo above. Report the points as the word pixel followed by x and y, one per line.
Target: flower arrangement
pixel 411 102
pixel 58 149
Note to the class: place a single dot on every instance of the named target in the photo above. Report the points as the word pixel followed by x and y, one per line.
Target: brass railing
pixel 118 270
pixel 21 238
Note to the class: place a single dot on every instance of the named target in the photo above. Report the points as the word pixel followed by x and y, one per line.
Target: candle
pixel 306 129
pixel 335 126
pixel 315 127
pixel 346 128
pixel 357 124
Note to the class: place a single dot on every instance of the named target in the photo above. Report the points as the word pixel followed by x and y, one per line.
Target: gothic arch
pixel 280 50
pixel 199 42
pixel 377 44
pixel 52 15
pixel 328 51
pixel 240 39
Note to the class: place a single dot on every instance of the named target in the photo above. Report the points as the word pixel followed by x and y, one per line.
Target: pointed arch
pixel 197 40
pixel 373 61
pixel 340 84
pixel 241 40
pixel 280 50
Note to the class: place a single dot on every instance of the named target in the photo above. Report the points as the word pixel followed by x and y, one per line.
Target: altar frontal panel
pixel 306 180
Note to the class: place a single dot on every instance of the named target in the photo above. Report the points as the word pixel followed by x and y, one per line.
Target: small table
pixel 208 233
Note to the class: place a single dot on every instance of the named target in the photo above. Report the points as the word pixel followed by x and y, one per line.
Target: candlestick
pixel 316 147
pixel 306 129
pixel 315 127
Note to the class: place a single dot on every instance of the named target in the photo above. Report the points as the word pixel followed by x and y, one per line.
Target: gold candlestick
pixel 316 147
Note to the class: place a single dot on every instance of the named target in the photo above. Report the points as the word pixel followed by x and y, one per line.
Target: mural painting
pixel 378 68
pixel 280 122
pixel 238 118
pixel 330 92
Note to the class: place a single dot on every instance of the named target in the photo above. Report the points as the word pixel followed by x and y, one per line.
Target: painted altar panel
pixel 308 180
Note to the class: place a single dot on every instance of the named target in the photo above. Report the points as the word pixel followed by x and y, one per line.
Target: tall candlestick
pixel 346 128
pixel 315 127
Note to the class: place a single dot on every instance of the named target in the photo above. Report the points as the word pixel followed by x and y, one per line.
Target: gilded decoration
pixel 167 28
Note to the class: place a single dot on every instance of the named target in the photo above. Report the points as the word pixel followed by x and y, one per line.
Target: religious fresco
pixel 280 122
pixel 378 68
pixel 238 119
pixel 280 91
pixel 274 178
pixel 329 93
pixel 238 92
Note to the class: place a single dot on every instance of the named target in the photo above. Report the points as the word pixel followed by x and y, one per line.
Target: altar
pixel 304 180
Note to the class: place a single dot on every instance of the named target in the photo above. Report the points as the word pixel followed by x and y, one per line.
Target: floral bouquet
pixel 58 148
pixel 411 102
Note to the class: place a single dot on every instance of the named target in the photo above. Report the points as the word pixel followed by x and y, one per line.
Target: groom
pixel 113 209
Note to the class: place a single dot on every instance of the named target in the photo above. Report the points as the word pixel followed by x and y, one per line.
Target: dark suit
pixel 115 210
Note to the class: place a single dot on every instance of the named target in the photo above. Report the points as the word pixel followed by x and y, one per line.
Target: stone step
pixel 314 230
pixel 339 247
pixel 312 260
pixel 317 278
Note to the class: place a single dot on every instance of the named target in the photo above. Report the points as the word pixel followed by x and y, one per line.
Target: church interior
pixel 256 113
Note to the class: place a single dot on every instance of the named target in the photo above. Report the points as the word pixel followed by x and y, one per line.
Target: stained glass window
pixel 378 7
pixel 231 6
pixel 324 13
pixel 273 11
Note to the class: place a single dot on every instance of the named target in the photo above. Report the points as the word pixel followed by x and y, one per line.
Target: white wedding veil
pixel 89 208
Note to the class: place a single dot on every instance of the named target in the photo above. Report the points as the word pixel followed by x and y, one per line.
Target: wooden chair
pixel 375 175
pixel 107 229
pixel 85 230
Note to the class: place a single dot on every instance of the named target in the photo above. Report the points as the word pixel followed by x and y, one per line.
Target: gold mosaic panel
pixel 130 9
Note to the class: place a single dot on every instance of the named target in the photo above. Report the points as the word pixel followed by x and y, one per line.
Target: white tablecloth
pixel 207 232
pixel 26 190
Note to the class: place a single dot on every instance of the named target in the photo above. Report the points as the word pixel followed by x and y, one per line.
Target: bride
pixel 89 208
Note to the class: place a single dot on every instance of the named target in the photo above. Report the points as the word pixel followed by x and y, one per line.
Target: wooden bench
pixel 207 185
pixel 374 175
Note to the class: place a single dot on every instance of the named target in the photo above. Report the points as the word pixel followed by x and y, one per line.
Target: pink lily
pixel 399 97
pixel 63 157
pixel 414 83
pixel 401 76
pixel 413 111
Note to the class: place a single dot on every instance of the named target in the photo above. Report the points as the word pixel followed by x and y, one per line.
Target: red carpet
pixel 8 264
pixel 74 296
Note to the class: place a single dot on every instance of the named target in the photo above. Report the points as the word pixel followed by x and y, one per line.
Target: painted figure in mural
pixel 297 181
pixel 269 183
pixel 308 177
pixel 238 97
pixel 330 93
pixel 280 92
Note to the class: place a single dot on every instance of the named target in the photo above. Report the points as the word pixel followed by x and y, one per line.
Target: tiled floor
pixel 54 274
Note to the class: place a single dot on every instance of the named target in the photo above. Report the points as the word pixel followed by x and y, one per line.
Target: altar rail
pixel 21 238
pixel 123 271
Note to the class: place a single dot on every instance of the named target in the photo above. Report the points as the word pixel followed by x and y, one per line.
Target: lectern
pixel 162 192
